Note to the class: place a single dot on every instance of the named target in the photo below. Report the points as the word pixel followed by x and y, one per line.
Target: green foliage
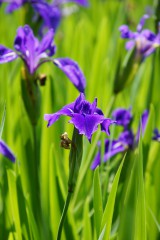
pixel 120 199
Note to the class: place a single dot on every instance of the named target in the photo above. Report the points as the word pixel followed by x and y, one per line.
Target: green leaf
pixel 149 127
pixel 14 202
pixel 147 138
pixel 140 219
pixel 87 232
pixel 32 223
pixel 3 120
pixel 54 201
pixel 133 210
pixel 97 202
pixel 108 212
pixel 102 233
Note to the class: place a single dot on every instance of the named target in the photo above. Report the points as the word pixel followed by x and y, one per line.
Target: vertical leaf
pixel 97 202
pixel 3 120
pixel 14 202
pixel 108 212
pixel 140 220
pixel 133 210
pixel 87 233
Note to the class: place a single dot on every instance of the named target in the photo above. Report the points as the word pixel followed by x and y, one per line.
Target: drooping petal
pixel 106 124
pixel 7 55
pixel 72 71
pixel 66 110
pixel 5 151
pixel 122 116
pixel 86 124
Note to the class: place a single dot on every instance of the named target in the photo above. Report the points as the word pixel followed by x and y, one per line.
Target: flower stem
pixel 36 203
pixel 75 159
pixel 65 209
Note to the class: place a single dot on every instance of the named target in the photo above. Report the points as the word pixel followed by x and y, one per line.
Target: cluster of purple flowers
pixel 34 52
pixel 85 116
pixel 51 13
pixel 126 140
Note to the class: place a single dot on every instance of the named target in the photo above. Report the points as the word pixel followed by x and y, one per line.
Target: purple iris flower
pixel 144 40
pixel 85 117
pixel 126 140
pixel 52 13
pixel 34 53
pixel 156 136
pixel 122 116
pixel 5 151
pixel 13 4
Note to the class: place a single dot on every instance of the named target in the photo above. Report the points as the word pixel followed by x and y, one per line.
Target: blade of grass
pixel 97 201
pixel 108 212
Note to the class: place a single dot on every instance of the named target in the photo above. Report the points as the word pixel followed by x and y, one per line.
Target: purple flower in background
pixel 126 140
pixel 34 53
pixel 85 117
pixel 122 116
pixel 144 40
pixel 123 143
pixel 51 13
pixel 13 4
pixel 156 135
pixel 5 151
pixel 142 124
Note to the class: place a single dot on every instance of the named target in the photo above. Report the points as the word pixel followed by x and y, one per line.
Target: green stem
pixel 65 209
pixel 75 159
pixel 36 165
pixel 36 187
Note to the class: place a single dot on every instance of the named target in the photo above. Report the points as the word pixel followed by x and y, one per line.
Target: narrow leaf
pixel 108 212
pixel 97 202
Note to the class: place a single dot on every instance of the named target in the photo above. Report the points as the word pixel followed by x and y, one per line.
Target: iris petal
pixel 86 124
pixel 72 71
pixel 5 151
pixel 52 118
pixel 7 55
